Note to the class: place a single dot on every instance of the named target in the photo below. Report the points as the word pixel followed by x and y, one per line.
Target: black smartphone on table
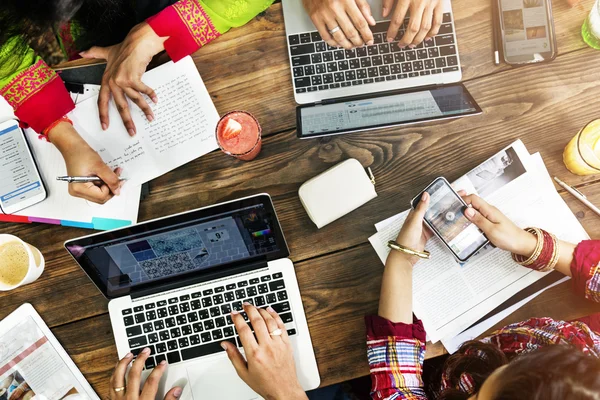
pixel 445 217
pixel 527 31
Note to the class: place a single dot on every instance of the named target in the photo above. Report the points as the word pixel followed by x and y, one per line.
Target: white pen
pixel 82 179
pixel 578 195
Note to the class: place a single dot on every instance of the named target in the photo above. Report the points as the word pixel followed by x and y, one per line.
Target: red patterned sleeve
pixel 585 269
pixel 38 96
pixel 396 353
pixel 187 25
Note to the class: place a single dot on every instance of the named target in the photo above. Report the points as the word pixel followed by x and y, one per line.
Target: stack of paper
pixel 450 297
pixel 183 130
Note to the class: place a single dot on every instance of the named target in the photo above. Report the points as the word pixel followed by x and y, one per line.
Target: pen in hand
pixel 82 179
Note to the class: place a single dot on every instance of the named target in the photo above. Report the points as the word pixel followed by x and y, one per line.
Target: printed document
pixel 183 129
pixel 32 363
pixel 448 296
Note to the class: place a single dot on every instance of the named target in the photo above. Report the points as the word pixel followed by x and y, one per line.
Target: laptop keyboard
pixel 193 325
pixel 317 66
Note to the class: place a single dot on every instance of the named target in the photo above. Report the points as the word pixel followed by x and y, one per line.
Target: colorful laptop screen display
pixel 195 245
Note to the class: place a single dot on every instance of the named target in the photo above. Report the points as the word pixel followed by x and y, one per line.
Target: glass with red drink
pixel 239 135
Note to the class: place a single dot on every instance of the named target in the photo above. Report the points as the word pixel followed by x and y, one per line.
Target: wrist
pixel 398 259
pixel 297 394
pixel 153 41
pixel 526 244
pixel 65 138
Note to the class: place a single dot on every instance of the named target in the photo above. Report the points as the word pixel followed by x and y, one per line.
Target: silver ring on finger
pixel 276 332
pixel 334 30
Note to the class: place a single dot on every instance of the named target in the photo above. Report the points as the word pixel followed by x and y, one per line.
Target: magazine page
pixel 30 367
pixel 449 296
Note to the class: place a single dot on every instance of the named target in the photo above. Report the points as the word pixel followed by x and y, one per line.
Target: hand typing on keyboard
pixel 424 23
pixel 346 23
pixel 131 391
pixel 269 367
pixel 342 23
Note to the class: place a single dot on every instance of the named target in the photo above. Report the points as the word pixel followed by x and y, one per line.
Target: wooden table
pixel 338 271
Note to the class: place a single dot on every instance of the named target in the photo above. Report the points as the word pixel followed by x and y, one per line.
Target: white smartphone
pixel 21 185
pixel 445 216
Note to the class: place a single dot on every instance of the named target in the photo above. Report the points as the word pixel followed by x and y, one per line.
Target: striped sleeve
pixel 585 269
pixel 396 354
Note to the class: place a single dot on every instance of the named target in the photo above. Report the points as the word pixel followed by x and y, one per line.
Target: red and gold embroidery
pixel 197 21
pixel 592 288
pixel 27 83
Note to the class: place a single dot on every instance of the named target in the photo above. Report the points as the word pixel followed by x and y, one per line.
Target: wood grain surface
pixel 338 271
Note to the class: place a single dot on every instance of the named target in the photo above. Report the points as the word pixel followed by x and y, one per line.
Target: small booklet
pixel 183 129
pixel 448 296
pixel 33 364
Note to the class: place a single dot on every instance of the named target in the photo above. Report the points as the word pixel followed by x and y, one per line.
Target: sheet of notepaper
pixel 60 207
pixel 183 129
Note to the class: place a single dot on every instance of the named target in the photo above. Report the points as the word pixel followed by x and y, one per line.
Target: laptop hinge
pixel 325 102
pixel 204 277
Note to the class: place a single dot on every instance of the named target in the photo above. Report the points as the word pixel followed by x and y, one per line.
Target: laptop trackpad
pixel 212 379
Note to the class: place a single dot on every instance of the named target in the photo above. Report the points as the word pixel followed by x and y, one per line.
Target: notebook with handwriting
pixel 183 129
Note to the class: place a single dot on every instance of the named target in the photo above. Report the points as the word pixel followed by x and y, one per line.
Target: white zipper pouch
pixel 336 192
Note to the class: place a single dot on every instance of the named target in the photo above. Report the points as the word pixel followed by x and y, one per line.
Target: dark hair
pixel 551 373
pixel 29 22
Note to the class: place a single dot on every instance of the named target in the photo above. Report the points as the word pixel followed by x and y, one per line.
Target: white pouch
pixel 336 192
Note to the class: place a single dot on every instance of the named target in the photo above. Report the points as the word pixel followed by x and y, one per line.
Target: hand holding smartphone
pixel 21 185
pixel 445 217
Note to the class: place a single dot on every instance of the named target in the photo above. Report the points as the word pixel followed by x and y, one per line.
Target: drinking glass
pixel 582 154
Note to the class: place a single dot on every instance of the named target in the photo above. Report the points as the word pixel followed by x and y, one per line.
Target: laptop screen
pixel 386 109
pixel 195 242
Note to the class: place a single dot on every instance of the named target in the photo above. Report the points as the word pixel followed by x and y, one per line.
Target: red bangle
pixel 546 255
pixel 53 125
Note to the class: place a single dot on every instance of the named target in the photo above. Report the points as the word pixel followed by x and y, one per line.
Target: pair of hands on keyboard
pixel 354 18
pixel 268 367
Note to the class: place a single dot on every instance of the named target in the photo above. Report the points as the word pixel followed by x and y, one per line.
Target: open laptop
pixel 345 91
pixel 173 281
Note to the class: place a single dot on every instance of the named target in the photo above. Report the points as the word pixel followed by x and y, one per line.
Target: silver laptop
pixel 350 90
pixel 172 283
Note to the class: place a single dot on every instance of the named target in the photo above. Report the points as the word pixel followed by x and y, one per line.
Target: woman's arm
pixel 395 341
pixel 395 301
pixel 581 262
pixel 191 24
pixel 34 91
pixel 504 234
pixel 585 269
pixel 180 29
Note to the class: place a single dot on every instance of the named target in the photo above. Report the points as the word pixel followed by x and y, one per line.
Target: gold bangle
pixel 538 248
pixel 398 247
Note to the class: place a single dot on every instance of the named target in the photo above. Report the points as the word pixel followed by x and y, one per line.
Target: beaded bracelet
pixel 546 253
pixel 53 125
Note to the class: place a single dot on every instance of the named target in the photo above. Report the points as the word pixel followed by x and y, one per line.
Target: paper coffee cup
pixel 35 265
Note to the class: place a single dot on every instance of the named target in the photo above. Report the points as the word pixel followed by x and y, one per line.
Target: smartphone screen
pixel 528 34
pixel 20 182
pixel 446 218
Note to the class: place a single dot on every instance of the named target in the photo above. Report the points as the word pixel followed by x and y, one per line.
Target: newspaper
pixel 32 367
pixel 448 296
